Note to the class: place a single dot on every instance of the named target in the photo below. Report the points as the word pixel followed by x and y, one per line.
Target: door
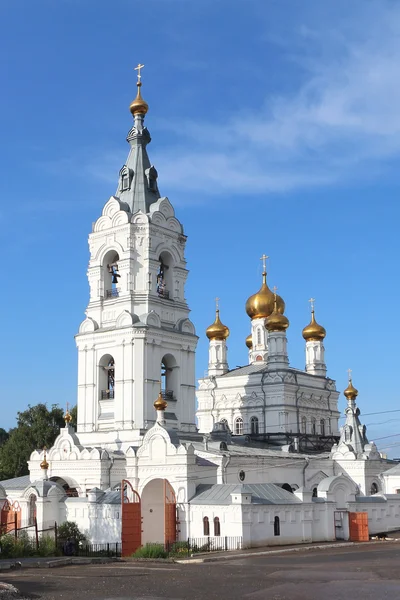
pixel 358 524
pixel 169 513
pixel 131 519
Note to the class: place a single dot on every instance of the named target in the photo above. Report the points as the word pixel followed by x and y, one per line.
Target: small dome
pixel 138 106
pixel 249 341
pixel 44 464
pixel 217 331
pixel 314 332
pixel 350 392
pixel 261 304
pixel 67 417
pixel 160 403
pixel 276 321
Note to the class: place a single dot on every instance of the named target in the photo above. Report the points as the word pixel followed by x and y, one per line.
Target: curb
pixel 207 559
pixel 56 562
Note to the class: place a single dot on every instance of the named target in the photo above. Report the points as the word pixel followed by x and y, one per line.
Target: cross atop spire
pixel 312 303
pixel 264 259
pixel 217 303
pixel 349 371
pixel 138 69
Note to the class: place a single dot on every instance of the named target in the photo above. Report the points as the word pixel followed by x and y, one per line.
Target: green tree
pixel 74 414
pixel 3 436
pixel 37 426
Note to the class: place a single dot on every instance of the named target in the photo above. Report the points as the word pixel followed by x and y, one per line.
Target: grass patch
pixel 151 551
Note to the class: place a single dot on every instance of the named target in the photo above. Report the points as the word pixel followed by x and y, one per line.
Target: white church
pixel 262 459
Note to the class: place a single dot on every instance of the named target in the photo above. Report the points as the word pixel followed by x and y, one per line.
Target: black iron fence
pixel 223 543
pixel 72 548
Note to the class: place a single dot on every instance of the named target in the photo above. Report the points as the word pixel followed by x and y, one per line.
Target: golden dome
pixel 160 403
pixel 276 321
pixel 217 331
pixel 67 417
pixel 314 332
pixel 261 304
pixel 138 106
pixel 44 464
pixel 350 392
pixel 249 341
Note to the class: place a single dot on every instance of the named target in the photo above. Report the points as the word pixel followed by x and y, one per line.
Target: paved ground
pixel 359 573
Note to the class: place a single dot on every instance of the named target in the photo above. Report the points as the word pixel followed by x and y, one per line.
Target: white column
pixel 259 334
pixel 217 358
pixel 315 358
pixel 277 349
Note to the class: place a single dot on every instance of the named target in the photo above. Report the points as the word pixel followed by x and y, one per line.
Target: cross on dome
pixel 138 69
pixel 312 303
pixel 264 259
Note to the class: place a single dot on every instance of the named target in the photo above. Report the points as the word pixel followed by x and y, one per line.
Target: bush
pixel 69 529
pixel 17 548
pixel 47 546
pixel 151 551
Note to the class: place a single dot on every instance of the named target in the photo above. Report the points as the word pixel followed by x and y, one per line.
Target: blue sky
pixel 275 128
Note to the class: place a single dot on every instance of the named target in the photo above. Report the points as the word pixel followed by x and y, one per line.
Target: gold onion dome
pixel 261 304
pixel 313 332
pixel 217 331
pixel 138 106
pixel 249 341
pixel 350 392
pixel 44 464
pixel 160 403
pixel 67 417
pixel 276 321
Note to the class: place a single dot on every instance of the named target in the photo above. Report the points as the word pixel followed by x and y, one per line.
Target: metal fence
pixel 71 548
pixel 204 544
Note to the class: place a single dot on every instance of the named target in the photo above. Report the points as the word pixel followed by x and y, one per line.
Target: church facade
pixel 263 459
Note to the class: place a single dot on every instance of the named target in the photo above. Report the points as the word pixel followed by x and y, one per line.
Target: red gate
pixel 131 519
pixel 169 513
pixel 358 525
pixel 10 517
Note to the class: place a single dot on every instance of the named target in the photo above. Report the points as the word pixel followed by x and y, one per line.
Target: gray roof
pixel 261 493
pixel 374 499
pixel 246 370
pixel 110 497
pixel 17 483
pixel 393 471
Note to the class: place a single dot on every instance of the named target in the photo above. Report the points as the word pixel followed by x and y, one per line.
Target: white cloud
pixel 342 123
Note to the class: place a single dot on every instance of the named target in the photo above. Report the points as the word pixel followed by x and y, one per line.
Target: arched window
pixel 169 375
pixel 32 509
pixel 217 526
pixel 313 426
pixel 277 526
pixel 315 492
pixel 165 275
pixel 374 489
pixel 322 426
pixel 107 379
pixel 303 425
pixel 206 526
pixel 258 335
pixel 111 275
pixel 239 426
pixel 254 425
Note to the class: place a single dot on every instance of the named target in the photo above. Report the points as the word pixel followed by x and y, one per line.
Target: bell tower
pixel 137 332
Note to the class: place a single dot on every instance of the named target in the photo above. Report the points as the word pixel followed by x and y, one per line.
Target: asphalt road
pixel 359 573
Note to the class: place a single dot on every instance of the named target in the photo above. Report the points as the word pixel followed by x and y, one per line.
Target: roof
pixel 261 493
pixel 393 471
pixel 371 499
pixel 17 483
pixel 246 370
